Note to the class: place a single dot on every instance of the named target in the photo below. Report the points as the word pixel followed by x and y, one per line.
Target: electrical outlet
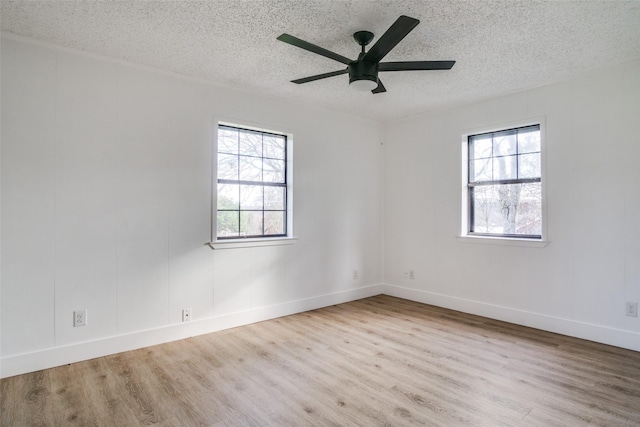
pixel 411 275
pixel 79 318
pixel 186 314
pixel 632 309
pixel 355 274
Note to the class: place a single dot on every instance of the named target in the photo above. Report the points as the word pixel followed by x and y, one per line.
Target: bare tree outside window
pixel 504 183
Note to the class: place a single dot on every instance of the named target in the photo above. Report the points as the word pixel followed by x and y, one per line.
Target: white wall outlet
pixel 632 309
pixel 79 318
pixel 355 274
pixel 411 275
pixel 186 314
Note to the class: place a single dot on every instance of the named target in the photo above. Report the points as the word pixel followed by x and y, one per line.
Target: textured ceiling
pixel 500 46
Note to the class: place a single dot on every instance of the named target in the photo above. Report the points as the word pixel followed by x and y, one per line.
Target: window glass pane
pixel 529 218
pixel 484 212
pixel 251 197
pixel 250 143
pixel 481 147
pixel 227 140
pixel 504 143
pixel 274 198
pixel 529 141
pixel 274 223
pixel 505 168
pixel 274 146
pixel 274 170
pixel 250 168
pixel 513 209
pixel 529 165
pixel 227 166
pixel 228 223
pixel 250 223
pixel 481 170
pixel 228 196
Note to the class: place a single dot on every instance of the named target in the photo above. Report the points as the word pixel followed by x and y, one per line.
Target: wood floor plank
pixel 70 399
pixel 28 398
pixel 322 402
pixel 167 391
pixel 380 361
pixel 103 395
pixel 135 390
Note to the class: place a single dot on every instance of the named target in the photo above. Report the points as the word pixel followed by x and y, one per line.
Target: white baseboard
pixel 57 356
pixel 588 331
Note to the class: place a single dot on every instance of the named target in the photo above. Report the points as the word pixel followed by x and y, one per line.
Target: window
pixel 504 183
pixel 252 183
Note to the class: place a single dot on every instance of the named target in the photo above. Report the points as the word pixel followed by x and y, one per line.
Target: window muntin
pixel 504 187
pixel 252 183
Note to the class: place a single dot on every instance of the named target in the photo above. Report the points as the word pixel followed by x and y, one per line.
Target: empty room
pixel 320 213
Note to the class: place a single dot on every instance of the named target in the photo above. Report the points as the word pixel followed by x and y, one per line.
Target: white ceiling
pixel 500 46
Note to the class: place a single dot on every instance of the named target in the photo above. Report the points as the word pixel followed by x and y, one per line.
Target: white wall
pixel 106 181
pixel 106 195
pixel 579 283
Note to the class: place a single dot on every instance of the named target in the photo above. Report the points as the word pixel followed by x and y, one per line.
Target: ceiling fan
pixel 363 72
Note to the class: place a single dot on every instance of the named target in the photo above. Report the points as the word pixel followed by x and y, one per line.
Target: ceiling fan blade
pixel 391 38
pixel 380 88
pixel 415 65
pixel 313 48
pixel 319 76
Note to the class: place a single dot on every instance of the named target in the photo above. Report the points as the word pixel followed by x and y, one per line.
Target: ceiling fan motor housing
pixel 363 70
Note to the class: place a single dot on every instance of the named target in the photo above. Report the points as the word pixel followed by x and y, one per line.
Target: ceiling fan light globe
pixel 363 85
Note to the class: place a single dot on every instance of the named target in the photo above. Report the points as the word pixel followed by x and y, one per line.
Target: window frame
pixel 466 235
pixel 253 240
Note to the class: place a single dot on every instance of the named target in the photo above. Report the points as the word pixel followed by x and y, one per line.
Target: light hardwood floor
pixel 375 362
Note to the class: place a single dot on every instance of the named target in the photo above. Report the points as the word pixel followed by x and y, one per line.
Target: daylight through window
pixel 504 183
pixel 252 183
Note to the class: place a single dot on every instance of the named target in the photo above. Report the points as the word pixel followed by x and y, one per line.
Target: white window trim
pixel 252 243
pixel 240 242
pixel 505 241
pixel 464 235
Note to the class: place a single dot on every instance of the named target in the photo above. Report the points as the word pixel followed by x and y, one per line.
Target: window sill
pixel 252 243
pixel 506 241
